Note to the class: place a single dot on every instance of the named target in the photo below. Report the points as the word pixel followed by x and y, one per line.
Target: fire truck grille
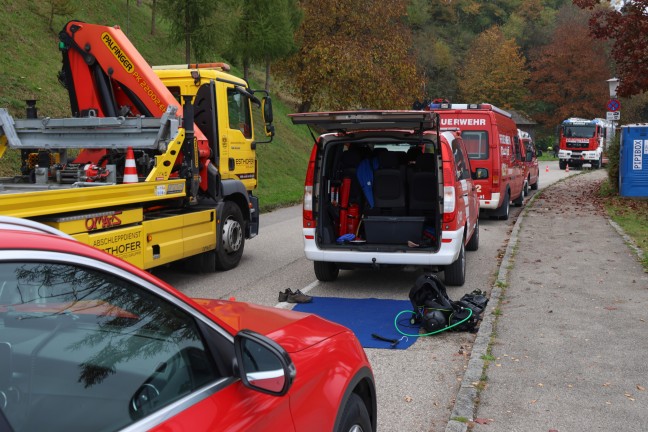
pixel 578 145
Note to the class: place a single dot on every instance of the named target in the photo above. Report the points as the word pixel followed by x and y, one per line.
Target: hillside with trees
pixel 546 59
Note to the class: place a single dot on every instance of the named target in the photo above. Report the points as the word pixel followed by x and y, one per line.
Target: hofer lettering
pixel 462 122
pixel 122 249
pixel 117 52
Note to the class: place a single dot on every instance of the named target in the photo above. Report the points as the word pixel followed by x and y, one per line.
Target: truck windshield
pixel 476 144
pixel 579 131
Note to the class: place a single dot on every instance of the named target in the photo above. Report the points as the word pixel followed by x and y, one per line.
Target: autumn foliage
pixel 568 75
pixel 628 29
pixel 494 71
pixel 353 54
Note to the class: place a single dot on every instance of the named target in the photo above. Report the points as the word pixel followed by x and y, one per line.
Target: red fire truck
pixel 583 142
pixel 491 137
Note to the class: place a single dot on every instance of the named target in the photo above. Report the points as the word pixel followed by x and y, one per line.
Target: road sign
pixel 613 105
pixel 613 115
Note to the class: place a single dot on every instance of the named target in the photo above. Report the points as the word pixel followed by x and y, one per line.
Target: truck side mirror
pixel 268 116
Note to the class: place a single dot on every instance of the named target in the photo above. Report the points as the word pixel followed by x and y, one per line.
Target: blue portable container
pixel 633 163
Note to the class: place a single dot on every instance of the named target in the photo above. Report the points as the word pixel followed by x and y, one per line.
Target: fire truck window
pixel 238 108
pixel 476 144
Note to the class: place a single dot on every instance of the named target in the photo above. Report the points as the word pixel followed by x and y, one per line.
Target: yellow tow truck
pixel 164 163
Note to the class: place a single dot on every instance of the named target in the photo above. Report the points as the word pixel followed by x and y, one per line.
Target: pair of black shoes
pixel 294 297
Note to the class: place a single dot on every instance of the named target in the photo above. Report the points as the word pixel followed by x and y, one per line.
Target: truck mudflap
pixel 253 227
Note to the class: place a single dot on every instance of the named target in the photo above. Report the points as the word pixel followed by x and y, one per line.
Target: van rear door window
pixel 476 144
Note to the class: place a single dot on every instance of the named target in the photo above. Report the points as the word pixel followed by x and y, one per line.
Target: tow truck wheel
pixel 232 237
pixel 455 273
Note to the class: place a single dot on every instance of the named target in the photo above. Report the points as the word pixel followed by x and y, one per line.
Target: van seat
pixel 422 186
pixel 389 185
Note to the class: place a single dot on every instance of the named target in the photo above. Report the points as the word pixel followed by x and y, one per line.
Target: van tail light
pixel 449 198
pixel 308 221
pixel 496 177
pixel 449 207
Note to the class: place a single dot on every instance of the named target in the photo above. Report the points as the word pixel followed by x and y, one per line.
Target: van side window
pixel 476 143
pixel 461 162
pixel 518 150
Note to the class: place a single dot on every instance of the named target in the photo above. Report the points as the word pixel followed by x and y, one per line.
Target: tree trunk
pixel 187 36
pixel 246 69
pixel 153 17
pixel 267 77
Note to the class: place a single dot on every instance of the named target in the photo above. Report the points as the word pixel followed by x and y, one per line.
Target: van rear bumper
pixel 446 255
pixel 490 204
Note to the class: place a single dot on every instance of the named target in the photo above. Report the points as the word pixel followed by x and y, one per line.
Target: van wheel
pixel 504 210
pixel 517 202
pixel 525 188
pixel 534 186
pixel 455 273
pixel 232 237
pixel 473 244
pixel 326 271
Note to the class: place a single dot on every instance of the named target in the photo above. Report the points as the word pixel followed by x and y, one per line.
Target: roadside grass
pixel 30 64
pixel 631 214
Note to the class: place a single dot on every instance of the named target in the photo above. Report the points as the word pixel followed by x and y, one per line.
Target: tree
pixel 205 26
pixel 266 33
pixel 353 54
pixel 628 28
pixel 494 71
pixel 61 8
pixel 568 75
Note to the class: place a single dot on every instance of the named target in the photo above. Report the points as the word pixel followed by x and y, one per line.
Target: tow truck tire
pixel 473 243
pixel 505 208
pixel 326 271
pixel 231 237
pixel 455 273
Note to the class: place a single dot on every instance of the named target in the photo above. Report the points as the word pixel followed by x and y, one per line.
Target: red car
pixel 89 342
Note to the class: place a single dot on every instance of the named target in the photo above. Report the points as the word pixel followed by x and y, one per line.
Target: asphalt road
pixel 416 387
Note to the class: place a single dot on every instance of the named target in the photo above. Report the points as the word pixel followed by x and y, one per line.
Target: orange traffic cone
pixel 130 171
pixel 567 168
pixel 547 168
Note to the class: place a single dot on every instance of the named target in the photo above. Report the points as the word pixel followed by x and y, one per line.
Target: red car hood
pixel 294 331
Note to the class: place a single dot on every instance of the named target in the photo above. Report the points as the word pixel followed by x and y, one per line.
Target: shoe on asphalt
pixel 283 296
pixel 299 297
